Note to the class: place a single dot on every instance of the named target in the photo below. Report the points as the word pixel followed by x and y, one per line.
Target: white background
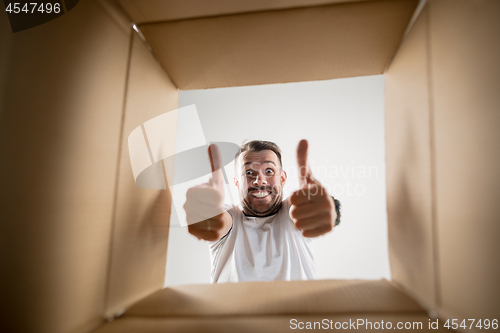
pixel 343 120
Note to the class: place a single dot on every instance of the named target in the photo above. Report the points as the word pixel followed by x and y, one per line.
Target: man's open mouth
pixel 260 194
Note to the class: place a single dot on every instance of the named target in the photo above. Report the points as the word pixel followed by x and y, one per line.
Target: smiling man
pixel 268 238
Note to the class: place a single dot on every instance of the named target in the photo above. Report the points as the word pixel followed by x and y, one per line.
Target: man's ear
pixel 283 177
pixel 236 183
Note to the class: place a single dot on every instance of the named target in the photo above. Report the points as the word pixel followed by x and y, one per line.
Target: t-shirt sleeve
pixel 229 208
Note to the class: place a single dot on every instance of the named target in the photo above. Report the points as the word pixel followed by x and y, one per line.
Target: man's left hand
pixel 312 208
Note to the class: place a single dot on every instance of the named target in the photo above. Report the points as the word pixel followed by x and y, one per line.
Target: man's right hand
pixel 205 214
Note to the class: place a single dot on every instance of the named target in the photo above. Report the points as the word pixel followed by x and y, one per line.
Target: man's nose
pixel 259 180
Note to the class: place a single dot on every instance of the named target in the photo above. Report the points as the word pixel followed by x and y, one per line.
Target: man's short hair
pixel 260 145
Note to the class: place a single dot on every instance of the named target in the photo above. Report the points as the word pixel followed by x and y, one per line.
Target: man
pixel 270 238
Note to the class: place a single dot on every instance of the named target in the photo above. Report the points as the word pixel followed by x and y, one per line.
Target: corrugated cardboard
pixel 443 166
pixel 6 38
pixel 141 221
pixel 167 10
pixel 275 298
pixel 464 52
pixel 275 324
pixel 80 242
pixel 59 133
pixel 341 40
pixel 409 163
pixel 269 306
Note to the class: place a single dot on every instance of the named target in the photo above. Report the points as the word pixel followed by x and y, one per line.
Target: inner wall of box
pixel 442 159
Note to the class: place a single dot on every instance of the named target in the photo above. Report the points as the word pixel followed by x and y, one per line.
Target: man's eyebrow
pixel 258 162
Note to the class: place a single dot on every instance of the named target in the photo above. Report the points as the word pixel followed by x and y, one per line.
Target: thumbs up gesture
pixel 312 208
pixel 205 214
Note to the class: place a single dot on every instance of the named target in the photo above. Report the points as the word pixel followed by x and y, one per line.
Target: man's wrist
pixel 338 207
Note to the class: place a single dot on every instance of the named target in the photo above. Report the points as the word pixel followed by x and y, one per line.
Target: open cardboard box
pixel 80 242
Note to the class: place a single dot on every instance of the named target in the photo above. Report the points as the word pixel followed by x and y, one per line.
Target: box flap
pixel 276 297
pixel 166 10
pixel 290 45
pixel 141 224
pixel 409 167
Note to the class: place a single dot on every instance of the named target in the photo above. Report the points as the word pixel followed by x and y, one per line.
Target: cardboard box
pixel 80 242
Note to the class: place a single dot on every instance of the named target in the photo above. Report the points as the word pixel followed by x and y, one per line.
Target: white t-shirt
pixel 262 249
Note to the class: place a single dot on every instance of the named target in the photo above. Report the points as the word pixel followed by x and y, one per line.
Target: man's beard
pixel 272 209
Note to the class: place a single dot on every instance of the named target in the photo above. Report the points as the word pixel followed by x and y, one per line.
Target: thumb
pixel 216 164
pixel 304 172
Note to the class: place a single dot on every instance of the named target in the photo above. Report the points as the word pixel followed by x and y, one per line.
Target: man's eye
pixel 270 171
pixel 249 172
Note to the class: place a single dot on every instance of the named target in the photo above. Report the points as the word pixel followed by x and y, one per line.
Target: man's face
pixel 260 180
